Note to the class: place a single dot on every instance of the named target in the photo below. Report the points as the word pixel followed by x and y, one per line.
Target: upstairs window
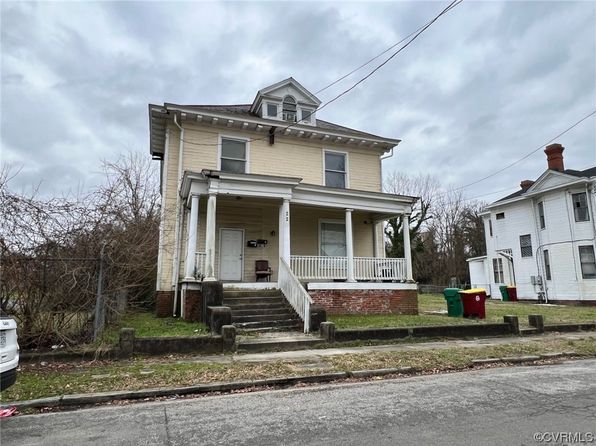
pixel 580 207
pixel 500 216
pixel 490 227
pixel 588 261
pixel 335 169
pixel 289 109
pixel 233 155
pixel 272 110
pixel 306 114
pixel 525 243
pixel 541 215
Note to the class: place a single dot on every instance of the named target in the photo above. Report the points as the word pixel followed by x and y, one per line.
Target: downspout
pixel 543 286
pixel 177 229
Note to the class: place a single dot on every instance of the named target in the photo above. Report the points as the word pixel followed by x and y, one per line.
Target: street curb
pixel 102 397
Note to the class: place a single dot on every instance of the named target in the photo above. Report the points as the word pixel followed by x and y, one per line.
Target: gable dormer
pixel 286 101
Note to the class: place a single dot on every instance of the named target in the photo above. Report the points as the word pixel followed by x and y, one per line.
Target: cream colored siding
pixel 287 157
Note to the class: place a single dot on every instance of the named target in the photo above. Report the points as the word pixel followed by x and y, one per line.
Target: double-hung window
pixel 333 239
pixel 525 244
pixel 498 270
pixel 233 155
pixel 580 206
pixel 588 261
pixel 547 265
pixel 541 215
pixel 335 169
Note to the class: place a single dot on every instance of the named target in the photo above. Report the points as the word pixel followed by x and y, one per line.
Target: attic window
pixel 500 216
pixel 306 114
pixel 289 109
pixel 272 110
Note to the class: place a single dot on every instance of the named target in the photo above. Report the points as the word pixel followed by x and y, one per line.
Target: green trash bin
pixel 504 292
pixel 454 305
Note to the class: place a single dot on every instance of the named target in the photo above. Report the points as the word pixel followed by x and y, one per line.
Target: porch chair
pixel 263 270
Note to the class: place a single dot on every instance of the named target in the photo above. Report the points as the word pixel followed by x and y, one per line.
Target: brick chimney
pixel 526 184
pixel 554 157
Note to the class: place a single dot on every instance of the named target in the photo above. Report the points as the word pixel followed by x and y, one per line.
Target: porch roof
pixel 292 189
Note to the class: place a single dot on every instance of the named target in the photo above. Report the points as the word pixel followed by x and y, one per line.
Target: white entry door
pixel 231 249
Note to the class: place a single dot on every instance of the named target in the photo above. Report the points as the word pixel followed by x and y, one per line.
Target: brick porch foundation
pixel 164 303
pixel 375 301
pixel 193 305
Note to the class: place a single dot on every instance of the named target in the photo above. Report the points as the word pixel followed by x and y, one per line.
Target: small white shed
pixel 478 267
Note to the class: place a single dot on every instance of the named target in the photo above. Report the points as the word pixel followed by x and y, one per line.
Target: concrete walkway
pixel 319 354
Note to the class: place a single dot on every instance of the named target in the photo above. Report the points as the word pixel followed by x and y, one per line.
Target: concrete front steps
pixel 261 311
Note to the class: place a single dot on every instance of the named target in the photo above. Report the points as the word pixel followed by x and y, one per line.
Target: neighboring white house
pixel 268 184
pixel 542 237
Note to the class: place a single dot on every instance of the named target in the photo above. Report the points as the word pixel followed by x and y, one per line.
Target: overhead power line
pixel 412 36
pixel 529 154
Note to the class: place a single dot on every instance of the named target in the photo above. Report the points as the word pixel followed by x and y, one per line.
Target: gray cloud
pixel 485 85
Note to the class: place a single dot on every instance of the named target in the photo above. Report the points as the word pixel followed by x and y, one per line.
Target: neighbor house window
pixel 490 227
pixel 333 239
pixel 289 109
pixel 525 243
pixel 500 216
pixel 233 155
pixel 498 270
pixel 335 169
pixel 306 115
pixel 272 110
pixel 580 207
pixel 541 215
pixel 588 261
pixel 547 265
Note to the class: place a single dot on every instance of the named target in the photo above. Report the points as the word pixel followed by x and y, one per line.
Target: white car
pixel 9 352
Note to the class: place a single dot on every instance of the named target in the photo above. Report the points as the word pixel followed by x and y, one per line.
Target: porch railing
pixel 200 264
pixel 336 268
pixel 294 292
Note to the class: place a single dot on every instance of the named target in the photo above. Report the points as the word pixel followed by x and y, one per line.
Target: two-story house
pixel 266 195
pixel 541 238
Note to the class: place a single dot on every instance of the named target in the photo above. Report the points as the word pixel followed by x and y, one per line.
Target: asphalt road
pixel 502 406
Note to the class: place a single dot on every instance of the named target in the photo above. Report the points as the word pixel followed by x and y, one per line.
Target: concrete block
pixel 127 342
pixel 327 330
pixel 218 317
pixel 228 333
pixel 513 322
pixel 536 321
pixel 318 315
pixel 212 296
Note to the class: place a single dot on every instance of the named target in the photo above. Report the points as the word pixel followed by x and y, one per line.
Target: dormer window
pixel 289 109
pixel 306 116
pixel 272 110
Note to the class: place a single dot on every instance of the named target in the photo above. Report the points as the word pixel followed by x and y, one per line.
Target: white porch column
pixel 407 249
pixel 284 231
pixel 191 245
pixel 210 239
pixel 350 246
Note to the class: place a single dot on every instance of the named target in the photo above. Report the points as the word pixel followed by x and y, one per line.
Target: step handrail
pixel 294 292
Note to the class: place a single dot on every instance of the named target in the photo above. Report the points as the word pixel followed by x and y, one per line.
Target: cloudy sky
pixel 487 84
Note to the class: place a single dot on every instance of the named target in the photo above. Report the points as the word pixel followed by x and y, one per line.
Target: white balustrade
pixel 335 268
pixel 294 292
pixel 200 258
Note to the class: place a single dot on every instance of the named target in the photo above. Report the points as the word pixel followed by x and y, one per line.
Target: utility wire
pixel 528 155
pixel 414 35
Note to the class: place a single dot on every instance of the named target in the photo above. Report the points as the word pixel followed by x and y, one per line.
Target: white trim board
pixel 360 286
pixel 250 286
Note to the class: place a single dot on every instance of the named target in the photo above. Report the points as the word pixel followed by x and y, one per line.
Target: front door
pixel 230 254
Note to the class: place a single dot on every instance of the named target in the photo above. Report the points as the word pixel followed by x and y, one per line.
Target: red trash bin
pixel 473 302
pixel 512 291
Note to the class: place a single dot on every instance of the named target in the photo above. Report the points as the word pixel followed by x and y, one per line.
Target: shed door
pixel 231 253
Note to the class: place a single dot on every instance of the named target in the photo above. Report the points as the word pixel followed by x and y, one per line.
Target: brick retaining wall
pixel 370 301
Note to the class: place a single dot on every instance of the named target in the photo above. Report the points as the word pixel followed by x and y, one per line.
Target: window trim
pixel 521 246
pixel 573 208
pixel 498 261
pixel 501 214
pixel 310 116
pixel 347 163
pixel 541 215
pixel 591 277
pixel 336 221
pixel 244 139
pixel 283 112
pixel 276 105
